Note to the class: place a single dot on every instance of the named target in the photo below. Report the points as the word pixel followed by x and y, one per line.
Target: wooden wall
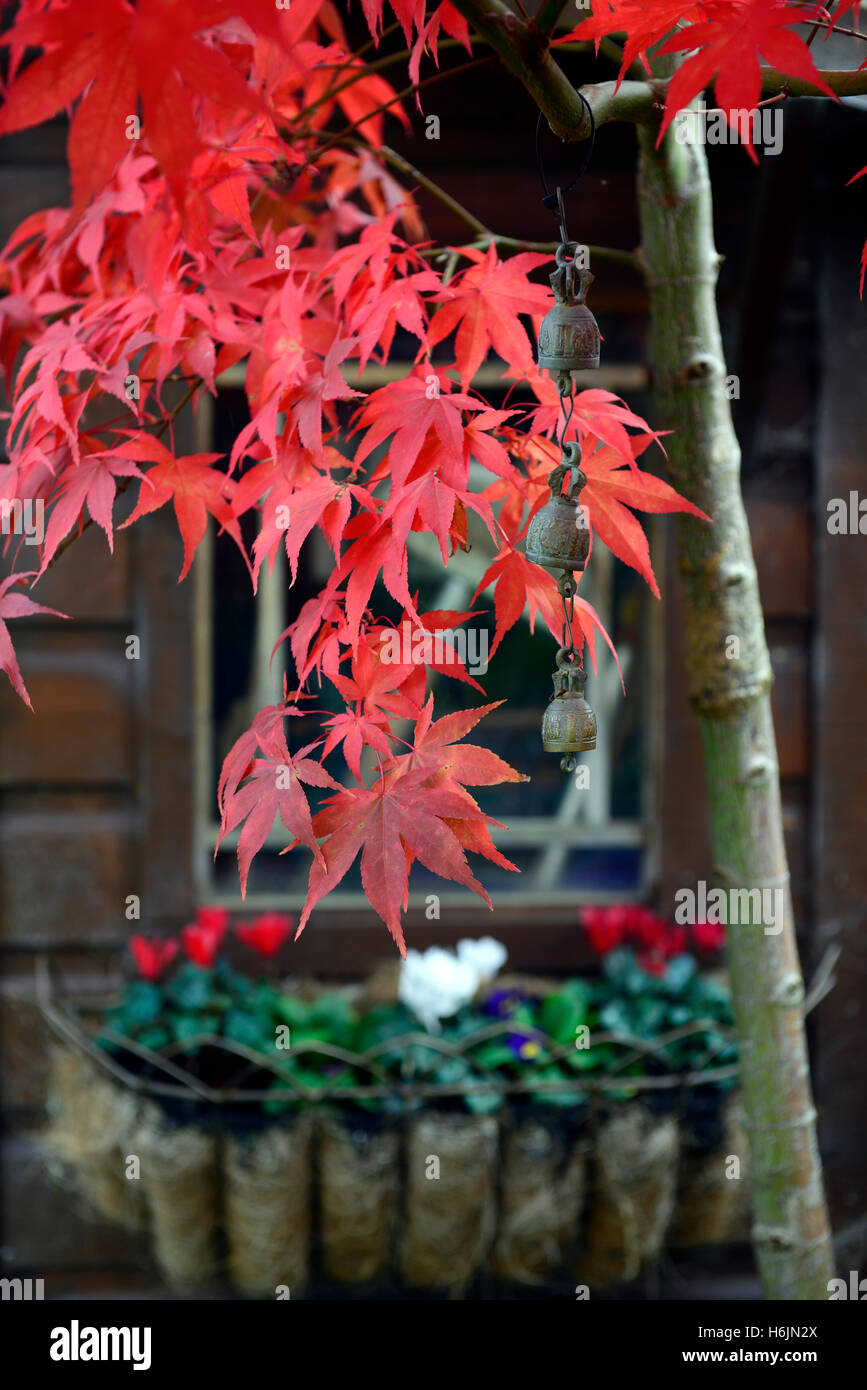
pixel 95 788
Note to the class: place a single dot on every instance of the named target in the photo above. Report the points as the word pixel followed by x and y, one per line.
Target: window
pixel 572 843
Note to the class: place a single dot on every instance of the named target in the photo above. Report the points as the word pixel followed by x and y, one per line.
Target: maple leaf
pixel 437 750
pixel 190 484
pixel 485 303
pixel 373 552
pixel 17 606
pixel 518 583
pixel 597 414
pixel 725 48
pixel 429 643
pixel 394 819
pixel 444 17
pixel 90 483
pixel 119 53
pixel 265 735
pixel 274 789
pixel 373 688
pixel 408 410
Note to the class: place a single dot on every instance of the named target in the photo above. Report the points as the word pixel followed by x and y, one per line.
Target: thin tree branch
pixel 820 24
pixel 348 131
pixel 484 234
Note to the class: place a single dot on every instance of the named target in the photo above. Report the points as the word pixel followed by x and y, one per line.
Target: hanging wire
pixel 554 201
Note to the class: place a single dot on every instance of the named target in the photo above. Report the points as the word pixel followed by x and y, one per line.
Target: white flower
pixel 486 956
pixel 435 983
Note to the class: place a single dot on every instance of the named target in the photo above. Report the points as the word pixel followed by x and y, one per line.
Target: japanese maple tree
pixel 234 200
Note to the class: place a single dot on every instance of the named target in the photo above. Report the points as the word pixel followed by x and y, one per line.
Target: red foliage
pixel 240 221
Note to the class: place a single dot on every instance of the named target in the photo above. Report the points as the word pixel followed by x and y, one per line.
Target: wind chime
pixel 558 537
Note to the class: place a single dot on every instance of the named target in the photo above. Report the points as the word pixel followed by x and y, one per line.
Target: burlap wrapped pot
pixel 633 1192
pixel 92 1119
pixel 359 1196
pixel 267 1196
pixel 712 1204
pixel 179 1179
pixel 542 1185
pixel 450 1200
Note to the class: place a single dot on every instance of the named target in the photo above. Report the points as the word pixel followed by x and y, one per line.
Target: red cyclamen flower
pixel 267 933
pixel 709 936
pixel 604 926
pixel 152 958
pixel 202 943
pixel 217 918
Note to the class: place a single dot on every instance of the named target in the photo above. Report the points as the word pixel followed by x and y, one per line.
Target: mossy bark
pixel 730 691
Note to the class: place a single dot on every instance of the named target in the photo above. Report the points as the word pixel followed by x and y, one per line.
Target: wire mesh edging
pixel 63 1017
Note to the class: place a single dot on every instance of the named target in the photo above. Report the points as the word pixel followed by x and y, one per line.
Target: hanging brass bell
pixel 568 724
pixel 569 334
pixel 558 537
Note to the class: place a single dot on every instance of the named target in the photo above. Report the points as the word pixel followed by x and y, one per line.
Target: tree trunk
pixel 730 691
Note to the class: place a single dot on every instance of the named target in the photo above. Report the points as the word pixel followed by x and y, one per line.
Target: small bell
pixel 568 724
pixel 558 537
pixel 569 334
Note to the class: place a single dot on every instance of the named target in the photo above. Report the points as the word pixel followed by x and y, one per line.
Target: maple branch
pixel 844 82
pixel 525 52
pixel 547 16
pixel 483 233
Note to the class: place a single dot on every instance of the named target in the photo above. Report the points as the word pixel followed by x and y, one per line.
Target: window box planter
pixel 389 1179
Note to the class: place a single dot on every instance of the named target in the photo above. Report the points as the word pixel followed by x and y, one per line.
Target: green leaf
pixel 334 1015
pixel 562 1013
pixel 191 988
pixel 190 1025
pixel 154 1038
pixel 292 1010
pixel 493 1054
pixel 247 1029
pixel 142 1006
pixel 678 973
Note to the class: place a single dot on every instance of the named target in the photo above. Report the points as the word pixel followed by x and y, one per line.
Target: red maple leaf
pixel 724 47
pixel 519 583
pixel 191 484
pixel 116 54
pixel 274 788
pixel 400 818
pixel 485 303
pixel 17 606
pixel 90 483
pixel 408 410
